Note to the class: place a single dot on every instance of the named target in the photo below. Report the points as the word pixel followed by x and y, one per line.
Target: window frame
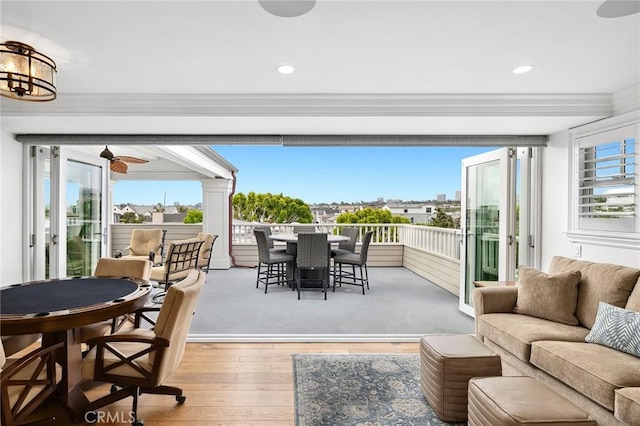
pixel 610 232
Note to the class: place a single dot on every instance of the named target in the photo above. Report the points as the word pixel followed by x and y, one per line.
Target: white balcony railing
pixel 441 241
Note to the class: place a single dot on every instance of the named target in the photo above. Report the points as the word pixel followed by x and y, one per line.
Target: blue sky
pixel 323 174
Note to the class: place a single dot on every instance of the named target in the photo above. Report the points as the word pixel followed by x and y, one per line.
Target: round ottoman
pixel 512 401
pixel 447 362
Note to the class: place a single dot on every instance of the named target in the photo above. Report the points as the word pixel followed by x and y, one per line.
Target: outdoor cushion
pixel 593 370
pixel 548 296
pixel 515 333
pixel 600 282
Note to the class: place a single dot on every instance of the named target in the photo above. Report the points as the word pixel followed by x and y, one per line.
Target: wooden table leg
pixel 69 357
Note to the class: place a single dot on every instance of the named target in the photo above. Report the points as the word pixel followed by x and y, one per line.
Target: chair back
pixel 350 245
pixel 144 241
pixel 299 229
pixel 263 245
pixel 3 357
pixel 130 268
pixel 364 250
pixel 182 257
pixel 206 249
pixel 313 251
pixel 267 232
pixel 174 320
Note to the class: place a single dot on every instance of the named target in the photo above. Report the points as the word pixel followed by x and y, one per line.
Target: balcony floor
pixel 400 306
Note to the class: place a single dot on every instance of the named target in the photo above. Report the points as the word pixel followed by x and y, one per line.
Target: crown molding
pixel 627 100
pixel 318 105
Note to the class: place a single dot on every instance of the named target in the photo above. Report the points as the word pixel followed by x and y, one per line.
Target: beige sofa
pixel 603 381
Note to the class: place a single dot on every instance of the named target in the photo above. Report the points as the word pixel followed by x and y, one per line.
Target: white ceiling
pixel 430 67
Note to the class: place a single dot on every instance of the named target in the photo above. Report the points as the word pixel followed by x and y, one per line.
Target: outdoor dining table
pixel 292 246
pixel 56 307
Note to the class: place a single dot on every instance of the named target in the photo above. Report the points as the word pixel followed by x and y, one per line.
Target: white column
pixel 216 219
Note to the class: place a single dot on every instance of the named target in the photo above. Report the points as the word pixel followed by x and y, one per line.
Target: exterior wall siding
pixel 440 270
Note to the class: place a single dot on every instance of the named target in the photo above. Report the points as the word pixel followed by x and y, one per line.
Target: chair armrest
pixel 488 300
pixel 129 338
pixel 14 368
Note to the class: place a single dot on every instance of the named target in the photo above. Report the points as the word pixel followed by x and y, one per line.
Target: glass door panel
pixel 84 217
pixel 485 221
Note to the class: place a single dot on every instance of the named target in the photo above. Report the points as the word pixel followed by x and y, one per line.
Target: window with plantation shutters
pixel 607 181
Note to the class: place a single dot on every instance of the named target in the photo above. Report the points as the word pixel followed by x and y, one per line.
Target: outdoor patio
pixel 399 306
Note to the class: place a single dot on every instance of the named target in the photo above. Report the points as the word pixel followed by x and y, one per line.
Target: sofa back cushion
pixel 548 296
pixel 633 304
pixel 601 282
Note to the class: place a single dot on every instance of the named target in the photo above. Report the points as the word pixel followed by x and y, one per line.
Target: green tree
pixel 130 217
pixel 442 220
pixel 270 208
pixel 370 215
pixel 193 216
pixel 158 208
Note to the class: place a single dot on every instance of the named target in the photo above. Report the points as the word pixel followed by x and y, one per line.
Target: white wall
pixel 556 184
pixel 11 217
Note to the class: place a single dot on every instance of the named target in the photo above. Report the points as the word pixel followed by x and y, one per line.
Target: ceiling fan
pixel 118 163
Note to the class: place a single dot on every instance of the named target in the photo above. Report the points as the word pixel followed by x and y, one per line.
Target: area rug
pixel 362 390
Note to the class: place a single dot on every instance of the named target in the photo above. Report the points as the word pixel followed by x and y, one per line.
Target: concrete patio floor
pixel 400 306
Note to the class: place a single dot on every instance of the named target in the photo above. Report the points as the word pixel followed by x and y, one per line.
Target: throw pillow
pixel 616 328
pixel 549 296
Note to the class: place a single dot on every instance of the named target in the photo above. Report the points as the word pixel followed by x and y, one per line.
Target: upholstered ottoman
pixel 447 362
pixel 516 400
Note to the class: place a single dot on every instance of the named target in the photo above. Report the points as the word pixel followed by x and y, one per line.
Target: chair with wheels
pixel 312 261
pixel 140 360
pixel 25 382
pixel 353 277
pixel 274 263
pixel 115 268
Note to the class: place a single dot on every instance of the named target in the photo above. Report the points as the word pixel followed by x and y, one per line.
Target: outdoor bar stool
pixel 344 277
pixel 312 260
pixel 274 262
pixel 349 246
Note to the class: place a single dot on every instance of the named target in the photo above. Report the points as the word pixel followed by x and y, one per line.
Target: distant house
pixel 415 212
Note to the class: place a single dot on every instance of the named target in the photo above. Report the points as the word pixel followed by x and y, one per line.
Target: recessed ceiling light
pixel 522 69
pixel 286 69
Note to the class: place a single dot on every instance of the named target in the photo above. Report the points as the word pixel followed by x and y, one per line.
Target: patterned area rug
pixel 366 390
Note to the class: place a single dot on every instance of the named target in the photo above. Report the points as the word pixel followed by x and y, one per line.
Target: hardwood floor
pixel 230 384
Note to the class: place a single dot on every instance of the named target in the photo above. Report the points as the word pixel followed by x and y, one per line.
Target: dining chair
pixel 181 259
pixel 204 257
pixel 274 263
pixel 147 244
pixel 140 360
pixel 312 261
pixel 360 259
pixel 16 343
pixel 116 268
pixel 25 382
pixel 270 243
pixel 349 246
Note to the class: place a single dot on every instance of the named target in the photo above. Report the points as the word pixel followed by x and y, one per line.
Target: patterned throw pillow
pixel 616 328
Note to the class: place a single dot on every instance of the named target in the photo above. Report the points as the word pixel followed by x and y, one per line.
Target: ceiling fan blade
pixel 118 166
pixel 132 160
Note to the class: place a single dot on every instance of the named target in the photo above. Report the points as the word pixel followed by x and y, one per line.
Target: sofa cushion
pixel 616 328
pixel 515 332
pixel 548 296
pixel 633 304
pixel 601 282
pixel 627 406
pixel 593 370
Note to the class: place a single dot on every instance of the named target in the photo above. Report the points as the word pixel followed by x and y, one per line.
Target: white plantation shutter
pixel 607 181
